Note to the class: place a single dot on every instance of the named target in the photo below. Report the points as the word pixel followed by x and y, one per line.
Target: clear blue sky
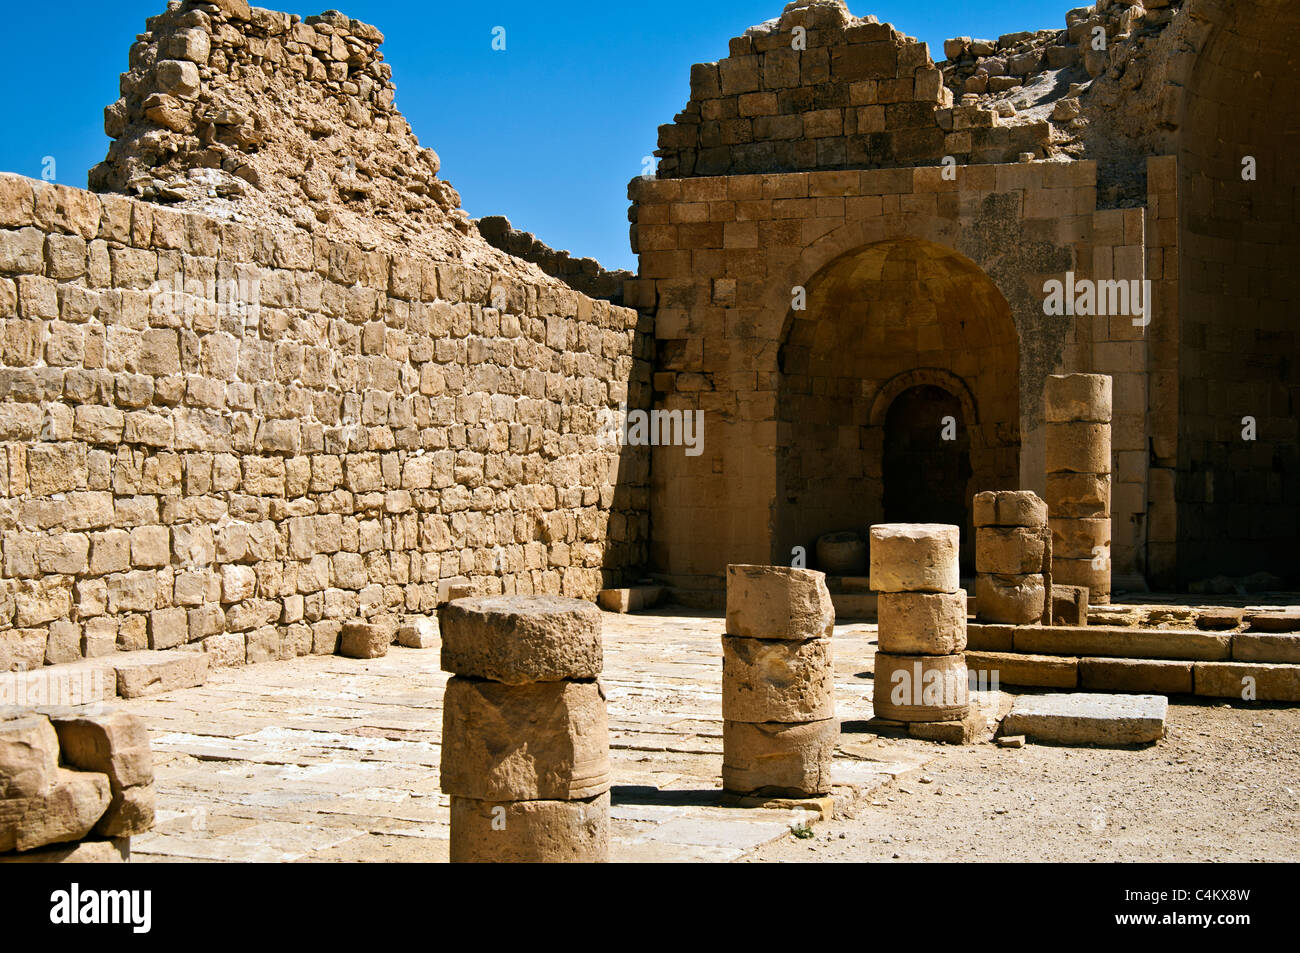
pixel 547 133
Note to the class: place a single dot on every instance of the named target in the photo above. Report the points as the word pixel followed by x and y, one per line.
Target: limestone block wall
pixel 241 436
pixel 720 258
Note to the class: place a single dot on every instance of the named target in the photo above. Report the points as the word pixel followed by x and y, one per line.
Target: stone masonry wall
pixel 238 436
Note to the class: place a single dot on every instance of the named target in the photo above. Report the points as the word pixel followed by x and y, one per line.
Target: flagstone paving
pixel 325 758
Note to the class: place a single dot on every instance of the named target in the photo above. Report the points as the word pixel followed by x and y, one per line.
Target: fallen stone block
pixel 778 602
pixel 151 673
pixel 778 760
pixel 1011 741
pixel 915 557
pixel 521 639
pixel 115 744
pixel 66 811
pixel 1248 681
pixel 777 680
pixel 1150 676
pixel 530 832
pixel 1265 647
pixel 1026 671
pixel 544 741
pixel 364 640
pixel 922 623
pixel 112 851
pixel 419 633
pixel 1085 719
pixel 29 756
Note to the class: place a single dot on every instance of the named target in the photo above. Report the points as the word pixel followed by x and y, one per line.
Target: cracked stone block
pixel 1088 719
pixel 777 680
pixel 521 639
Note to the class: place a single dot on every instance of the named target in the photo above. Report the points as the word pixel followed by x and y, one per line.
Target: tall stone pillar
pixel 525 732
pixel 779 729
pixel 921 655
pixel 1012 558
pixel 1078 412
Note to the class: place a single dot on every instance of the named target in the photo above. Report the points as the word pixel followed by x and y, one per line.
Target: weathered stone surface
pixel 1155 676
pixel 114 743
pixel 130 811
pixel 1012 600
pixel 545 741
pixel 777 679
pixel 778 759
pixel 521 639
pixel 1218 619
pixel 914 557
pixel 1080 538
pixel 1009 508
pixel 1028 671
pixel 1070 397
pixel 530 832
pixel 1078 448
pixel 987 637
pixel 1248 681
pixel 920 687
pixel 365 640
pixel 778 602
pixel 1084 572
pixel 1087 719
pixel 66 811
pixel 1009 550
pixel 1069 605
pixel 962 731
pixel 922 623
pixel 1287 620
pixel 420 633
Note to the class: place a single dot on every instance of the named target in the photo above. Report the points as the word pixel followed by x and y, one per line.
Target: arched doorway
pixel 896 336
pixel 927 468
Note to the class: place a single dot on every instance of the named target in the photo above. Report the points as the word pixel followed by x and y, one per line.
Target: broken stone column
pixel 69 778
pixel 1077 408
pixel 920 674
pixel 525 733
pixel 1012 550
pixel 778 694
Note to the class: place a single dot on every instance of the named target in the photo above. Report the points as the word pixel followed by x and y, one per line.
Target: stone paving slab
pixel 323 758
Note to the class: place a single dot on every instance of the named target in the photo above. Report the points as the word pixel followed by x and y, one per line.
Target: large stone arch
pixel 1239 240
pixel 883 319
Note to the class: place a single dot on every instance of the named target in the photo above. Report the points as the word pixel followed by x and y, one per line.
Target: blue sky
pixel 547 132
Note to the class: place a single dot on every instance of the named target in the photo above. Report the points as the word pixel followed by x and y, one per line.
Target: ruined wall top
pixel 249 114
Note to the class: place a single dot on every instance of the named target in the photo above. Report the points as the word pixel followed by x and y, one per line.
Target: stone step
pixel 1102 640
pixel 67 684
pixel 1088 719
pixel 150 673
pixel 1248 681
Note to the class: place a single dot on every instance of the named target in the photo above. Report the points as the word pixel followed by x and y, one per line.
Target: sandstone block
pixel 1078 448
pixel 419 633
pixel 130 811
pixel 115 744
pixel 1078 495
pixel 66 811
pixel 1009 508
pixel 544 741
pixel 1027 671
pixel 1071 397
pixel 530 832
pixel 921 687
pixel 1080 538
pixel 1009 550
pixel 922 623
pixel 1069 605
pixel 1153 676
pixel 521 639
pixel 777 680
pixel 1248 681
pixel 29 756
pixel 1265 647
pixel 777 759
pixel 1009 599
pixel 114 851
pixel 365 640
pixel 1082 719
pixel 914 557
pixel 778 602
pixel 1122 642
pixel 151 673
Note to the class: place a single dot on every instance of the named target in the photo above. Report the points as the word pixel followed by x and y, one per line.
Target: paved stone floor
pixel 332 759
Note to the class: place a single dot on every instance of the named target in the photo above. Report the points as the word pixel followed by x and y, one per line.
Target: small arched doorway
pixel 926 461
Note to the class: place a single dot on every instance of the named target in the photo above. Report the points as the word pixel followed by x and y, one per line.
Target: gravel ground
pixel 1224 785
